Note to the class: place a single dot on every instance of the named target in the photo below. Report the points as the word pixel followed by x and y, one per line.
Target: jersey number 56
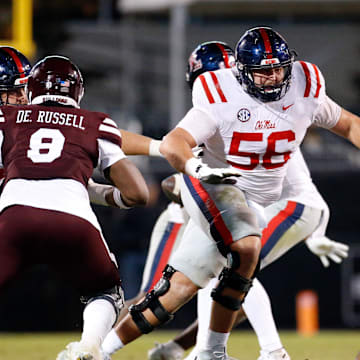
pixel 255 159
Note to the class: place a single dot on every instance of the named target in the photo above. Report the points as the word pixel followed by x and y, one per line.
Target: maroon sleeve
pixel 108 130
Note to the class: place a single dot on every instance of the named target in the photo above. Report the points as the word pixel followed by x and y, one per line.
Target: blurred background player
pixel 14 70
pixel 47 165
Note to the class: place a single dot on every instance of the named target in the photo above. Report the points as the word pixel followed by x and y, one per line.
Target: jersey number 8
pixel 45 145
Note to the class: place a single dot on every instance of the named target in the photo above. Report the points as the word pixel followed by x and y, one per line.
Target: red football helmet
pixel 55 78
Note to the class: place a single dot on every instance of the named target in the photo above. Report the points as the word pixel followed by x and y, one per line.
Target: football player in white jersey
pixel 226 216
pixel 254 123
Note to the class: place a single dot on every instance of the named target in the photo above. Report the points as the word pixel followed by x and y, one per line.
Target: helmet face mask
pixel 209 56
pixel 57 79
pixel 262 48
pixel 13 97
pixel 14 71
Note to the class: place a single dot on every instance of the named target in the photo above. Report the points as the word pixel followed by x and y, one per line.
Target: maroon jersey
pixel 46 142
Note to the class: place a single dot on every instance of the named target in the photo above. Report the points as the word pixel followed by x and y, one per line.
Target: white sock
pixel 257 308
pixel 204 303
pixel 112 343
pixel 216 339
pixel 99 316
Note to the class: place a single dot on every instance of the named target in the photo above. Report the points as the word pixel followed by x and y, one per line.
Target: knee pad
pixel 230 279
pixel 114 295
pixel 152 302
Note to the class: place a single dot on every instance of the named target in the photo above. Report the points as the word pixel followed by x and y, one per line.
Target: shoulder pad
pixel 108 130
pixel 310 78
pixel 209 89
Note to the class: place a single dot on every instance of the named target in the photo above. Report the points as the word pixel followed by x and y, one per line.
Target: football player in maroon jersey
pixel 49 150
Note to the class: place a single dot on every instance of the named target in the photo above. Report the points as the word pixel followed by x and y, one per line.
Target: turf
pixel 327 345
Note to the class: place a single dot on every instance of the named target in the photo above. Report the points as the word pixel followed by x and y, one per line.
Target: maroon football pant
pixel 70 245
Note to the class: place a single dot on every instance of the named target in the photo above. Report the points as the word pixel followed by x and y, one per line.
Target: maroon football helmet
pixel 55 78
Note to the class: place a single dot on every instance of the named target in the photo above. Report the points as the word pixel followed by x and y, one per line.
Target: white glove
pixel 197 169
pixel 325 248
pixel 97 192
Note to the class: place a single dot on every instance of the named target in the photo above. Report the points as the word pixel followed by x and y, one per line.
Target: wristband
pixel 154 148
pixel 192 167
pixel 118 199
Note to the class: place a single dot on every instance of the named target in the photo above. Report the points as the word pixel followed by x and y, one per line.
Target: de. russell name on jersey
pixel 52 117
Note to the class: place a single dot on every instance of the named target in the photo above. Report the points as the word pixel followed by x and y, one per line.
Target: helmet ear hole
pixel 263 48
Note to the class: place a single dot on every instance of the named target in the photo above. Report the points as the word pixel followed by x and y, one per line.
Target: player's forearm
pixel 129 181
pixel 354 135
pixel 136 144
pixel 176 150
pixel 106 195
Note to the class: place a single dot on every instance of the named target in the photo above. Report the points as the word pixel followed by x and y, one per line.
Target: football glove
pixel 327 249
pixel 97 192
pixel 197 169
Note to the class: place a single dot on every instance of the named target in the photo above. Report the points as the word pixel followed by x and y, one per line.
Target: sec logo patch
pixel 243 115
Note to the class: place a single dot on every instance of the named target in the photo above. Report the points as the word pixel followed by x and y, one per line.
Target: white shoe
pixel 280 354
pixel 167 351
pixel 105 356
pixel 218 353
pixel 75 351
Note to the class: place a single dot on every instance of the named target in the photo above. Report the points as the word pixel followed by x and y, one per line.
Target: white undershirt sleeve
pixel 199 124
pixel 109 153
pixel 327 114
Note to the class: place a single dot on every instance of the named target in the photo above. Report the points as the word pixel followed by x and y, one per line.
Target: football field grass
pixel 327 345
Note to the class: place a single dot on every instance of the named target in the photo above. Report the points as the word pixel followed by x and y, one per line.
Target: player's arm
pixel 348 126
pixel 136 144
pixel 132 187
pixel 177 146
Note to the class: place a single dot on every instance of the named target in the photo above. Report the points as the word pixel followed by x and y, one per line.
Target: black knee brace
pixel 152 302
pixel 230 279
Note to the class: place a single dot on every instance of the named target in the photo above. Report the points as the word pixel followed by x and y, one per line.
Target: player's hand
pixel 196 168
pixel 217 175
pixel 327 249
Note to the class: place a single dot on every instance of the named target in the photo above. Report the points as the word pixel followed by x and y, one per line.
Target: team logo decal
pixel 194 63
pixel 243 115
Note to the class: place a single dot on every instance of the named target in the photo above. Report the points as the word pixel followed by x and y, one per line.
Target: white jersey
pixel 298 185
pixel 255 137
